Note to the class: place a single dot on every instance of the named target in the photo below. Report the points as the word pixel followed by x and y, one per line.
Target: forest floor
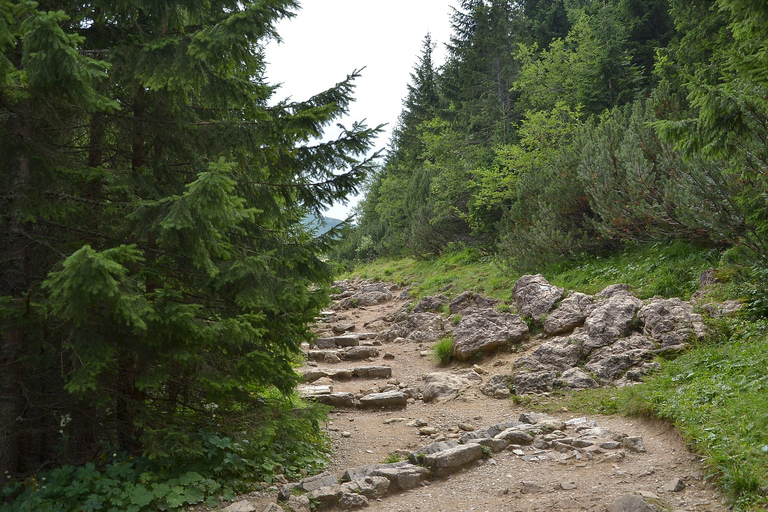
pixel 504 482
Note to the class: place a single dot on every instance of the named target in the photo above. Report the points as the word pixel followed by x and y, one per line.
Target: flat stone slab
pixel 357 353
pixel 347 341
pixel 401 475
pixel 339 400
pixel 496 445
pixel 361 372
pixel 322 355
pixel 314 391
pixel 364 471
pixel 447 461
pixel 418 455
pixel 372 372
pixel 324 343
pixel 387 400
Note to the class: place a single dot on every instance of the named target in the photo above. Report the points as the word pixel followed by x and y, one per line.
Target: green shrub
pixel 207 466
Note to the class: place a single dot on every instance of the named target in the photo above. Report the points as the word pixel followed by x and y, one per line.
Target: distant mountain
pixel 322 224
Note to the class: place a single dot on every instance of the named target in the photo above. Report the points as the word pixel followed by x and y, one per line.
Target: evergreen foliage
pixel 154 256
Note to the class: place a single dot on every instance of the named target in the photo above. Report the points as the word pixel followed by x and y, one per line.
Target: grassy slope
pixel 716 394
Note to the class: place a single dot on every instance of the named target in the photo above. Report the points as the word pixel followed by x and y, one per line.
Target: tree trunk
pixel 15 284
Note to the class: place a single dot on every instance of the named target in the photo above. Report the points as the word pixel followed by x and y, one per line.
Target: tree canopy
pixel 565 127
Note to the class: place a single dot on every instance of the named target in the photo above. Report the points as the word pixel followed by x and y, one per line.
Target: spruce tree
pixel 154 257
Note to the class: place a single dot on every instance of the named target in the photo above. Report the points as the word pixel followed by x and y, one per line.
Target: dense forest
pixel 561 128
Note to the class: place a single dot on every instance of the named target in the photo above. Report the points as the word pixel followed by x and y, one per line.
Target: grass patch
pixel 449 274
pixel 661 268
pixel 442 351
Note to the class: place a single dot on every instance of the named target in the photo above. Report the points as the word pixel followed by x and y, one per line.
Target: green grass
pixel 450 274
pixel 442 351
pixel 717 396
pixel 665 269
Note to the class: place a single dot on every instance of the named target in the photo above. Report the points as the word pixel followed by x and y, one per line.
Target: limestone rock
pixel 373 372
pixel 431 303
pixel 351 501
pixel 612 362
pixel 515 436
pixel 372 487
pixel 630 503
pixel 633 444
pixel 357 353
pixel 575 378
pixel 339 329
pixel 481 332
pixel 298 504
pixel 347 341
pixel 441 386
pixel 560 353
pixel 534 296
pixel 671 323
pixel 569 314
pixel 496 445
pixel 240 506
pixel 418 455
pixel 674 485
pixel 471 302
pixel 403 478
pixel 340 400
pixel 447 461
pixel 534 381
pixel 273 507
pixel 417 328
pixel 611 319
pixel 496 386
pixel 388 400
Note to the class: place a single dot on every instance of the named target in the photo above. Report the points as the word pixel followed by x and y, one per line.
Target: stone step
pixel 341 374
pixel 345 340
pixel 386 400
pixel 348 354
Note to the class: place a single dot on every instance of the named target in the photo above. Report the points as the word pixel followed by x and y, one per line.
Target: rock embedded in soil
pixel 447 461
pixel 240 506
pixel 631 503
pixel 386 400
pixel 571 313
pixel 441 386
pixel 535 297
pixel 486 331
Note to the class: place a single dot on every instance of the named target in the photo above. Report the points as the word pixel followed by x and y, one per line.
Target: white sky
pixel 328 39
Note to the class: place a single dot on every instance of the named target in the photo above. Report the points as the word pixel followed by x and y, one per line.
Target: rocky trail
pixel 409 435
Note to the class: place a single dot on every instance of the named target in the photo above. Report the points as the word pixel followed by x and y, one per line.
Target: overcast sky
pixel 329 39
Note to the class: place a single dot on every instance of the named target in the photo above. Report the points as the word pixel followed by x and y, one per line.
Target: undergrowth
pixel 220 467
pixel 661 268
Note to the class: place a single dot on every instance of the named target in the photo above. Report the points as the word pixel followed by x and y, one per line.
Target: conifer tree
pixel 154 258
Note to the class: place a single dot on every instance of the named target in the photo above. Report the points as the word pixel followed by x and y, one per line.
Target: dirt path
pixel 550 481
